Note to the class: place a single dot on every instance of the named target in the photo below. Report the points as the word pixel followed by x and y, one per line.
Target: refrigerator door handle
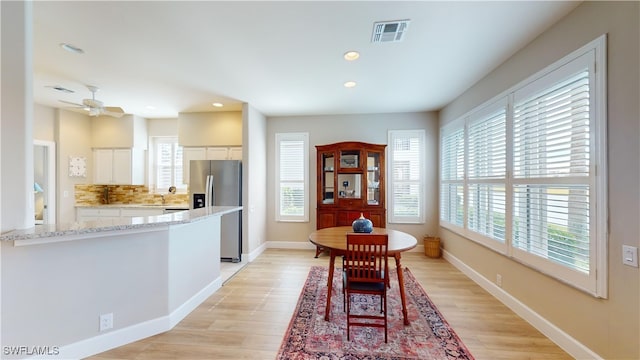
pixel 207 192
pixel 213 192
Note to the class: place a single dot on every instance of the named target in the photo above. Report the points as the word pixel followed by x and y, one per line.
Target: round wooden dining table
pixel 334 239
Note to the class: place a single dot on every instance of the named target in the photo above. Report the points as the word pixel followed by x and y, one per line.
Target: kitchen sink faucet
pixel 105 194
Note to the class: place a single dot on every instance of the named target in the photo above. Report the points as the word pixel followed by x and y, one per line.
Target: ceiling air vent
pixel 62 89
pixel 389 31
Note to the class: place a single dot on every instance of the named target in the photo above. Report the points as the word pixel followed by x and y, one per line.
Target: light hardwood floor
pixel 247 317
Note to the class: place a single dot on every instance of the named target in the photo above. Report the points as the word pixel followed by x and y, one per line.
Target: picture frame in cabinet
pixel 348 161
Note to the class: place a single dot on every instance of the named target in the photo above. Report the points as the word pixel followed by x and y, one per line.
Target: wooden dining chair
pixel 365 271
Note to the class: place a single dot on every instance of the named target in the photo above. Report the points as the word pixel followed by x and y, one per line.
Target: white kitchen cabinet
pixel 90 214
pixel 235 153
pixel 140 212
pixel 208 153
pixel 93 213
pixel 119 166
pixel 217 153
pixel 103 165
pixel 188 154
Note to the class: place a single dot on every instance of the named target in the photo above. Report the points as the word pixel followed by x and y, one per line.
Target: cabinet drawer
pixel 141 212
pixel 99 212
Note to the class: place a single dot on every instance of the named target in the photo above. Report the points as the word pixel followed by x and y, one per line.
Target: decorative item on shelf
pixel 432 246
pixel 349 161
pixel 362 225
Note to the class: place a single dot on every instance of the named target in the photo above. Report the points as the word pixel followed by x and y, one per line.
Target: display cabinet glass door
pixel 328 186
pixel 373 178
pixel 350 186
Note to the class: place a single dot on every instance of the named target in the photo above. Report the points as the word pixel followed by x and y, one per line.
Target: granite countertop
pixel 184 206
pixel 124 223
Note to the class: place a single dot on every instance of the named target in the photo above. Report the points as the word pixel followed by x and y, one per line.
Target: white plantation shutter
pixel 486 168
pixel 168 163
pixel 292 168
pixel 526 175
pixel 551 130
pixel 552 182
pixel 406 166
pixel 452 157
pixel 164 156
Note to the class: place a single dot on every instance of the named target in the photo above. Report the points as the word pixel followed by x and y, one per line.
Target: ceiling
pixel 156 59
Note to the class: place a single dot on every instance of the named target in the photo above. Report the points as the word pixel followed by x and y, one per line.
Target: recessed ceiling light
pixel 217 104
pixel 350 84
pixel 72 49
pixel 351 55
pixel 150 107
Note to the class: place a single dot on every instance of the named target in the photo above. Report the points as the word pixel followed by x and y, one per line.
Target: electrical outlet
pixel 499 280
pixel 106 321
pixel 630 255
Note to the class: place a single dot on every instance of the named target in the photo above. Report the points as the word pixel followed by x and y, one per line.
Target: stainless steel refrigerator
pixel 219 183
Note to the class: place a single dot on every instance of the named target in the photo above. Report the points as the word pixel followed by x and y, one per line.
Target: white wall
pixel 44 119
pixel 211 128
pixel 16 116
pixel 370 128
pixel 254 167
pixel 70 284
pixel 162 127
pixel 128 131
pixel 610 327
pixel 74 139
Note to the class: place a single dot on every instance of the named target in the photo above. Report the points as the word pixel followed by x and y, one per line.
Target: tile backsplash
pixel 89 194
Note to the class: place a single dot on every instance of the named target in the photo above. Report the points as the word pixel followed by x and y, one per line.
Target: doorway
pixel 44 181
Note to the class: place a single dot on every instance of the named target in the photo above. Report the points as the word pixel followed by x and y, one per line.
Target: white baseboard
pixel 185 309
pixel 294 245
pixel 255 253
pixel 555 334
pixel 120 337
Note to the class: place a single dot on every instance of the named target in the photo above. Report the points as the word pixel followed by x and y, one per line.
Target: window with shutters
pixel 292 177
pixel 406 184
pixel 452 174
pixel 167 164
pixel 486 174
pixel 526 175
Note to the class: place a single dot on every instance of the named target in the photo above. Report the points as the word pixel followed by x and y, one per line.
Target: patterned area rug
pixel 309 336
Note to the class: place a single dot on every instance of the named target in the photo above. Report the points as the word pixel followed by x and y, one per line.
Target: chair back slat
pixel 366 257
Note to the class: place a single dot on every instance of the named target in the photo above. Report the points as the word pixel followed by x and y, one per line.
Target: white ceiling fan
pixel 96 107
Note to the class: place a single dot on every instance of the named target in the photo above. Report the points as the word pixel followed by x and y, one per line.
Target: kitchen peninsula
pixel 62 284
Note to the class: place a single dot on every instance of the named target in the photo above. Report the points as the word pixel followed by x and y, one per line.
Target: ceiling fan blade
pixel 114 109
pixel 113 112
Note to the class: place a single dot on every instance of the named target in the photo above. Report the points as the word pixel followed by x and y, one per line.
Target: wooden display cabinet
pixel 350 181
